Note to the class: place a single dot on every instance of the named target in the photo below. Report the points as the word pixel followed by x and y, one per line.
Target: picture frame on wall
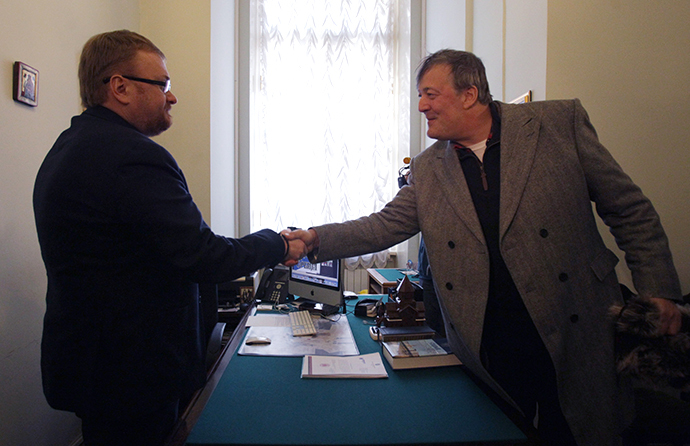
pixel 25 84
pixel 523 98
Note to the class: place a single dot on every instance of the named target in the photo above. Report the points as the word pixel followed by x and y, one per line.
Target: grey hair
pixel 467 69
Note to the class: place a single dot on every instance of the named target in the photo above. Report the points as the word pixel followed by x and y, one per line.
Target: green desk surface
pixel 393 274
pixel 263 400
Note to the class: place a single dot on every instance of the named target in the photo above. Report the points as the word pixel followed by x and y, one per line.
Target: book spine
pixel 405 337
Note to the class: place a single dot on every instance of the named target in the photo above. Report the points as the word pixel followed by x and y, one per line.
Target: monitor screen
pixel 318 282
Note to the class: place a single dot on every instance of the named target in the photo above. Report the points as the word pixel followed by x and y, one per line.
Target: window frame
pixel 239 198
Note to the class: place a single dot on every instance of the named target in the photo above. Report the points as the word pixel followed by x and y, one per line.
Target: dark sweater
pixel 509 333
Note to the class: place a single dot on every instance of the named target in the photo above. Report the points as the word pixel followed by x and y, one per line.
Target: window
pixel 329 119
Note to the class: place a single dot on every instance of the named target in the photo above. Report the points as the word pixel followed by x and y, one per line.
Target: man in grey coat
pixel 504 202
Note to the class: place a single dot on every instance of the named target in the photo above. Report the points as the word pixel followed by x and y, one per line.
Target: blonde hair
pixel 102 56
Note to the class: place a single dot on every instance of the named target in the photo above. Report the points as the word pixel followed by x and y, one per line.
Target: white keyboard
pixel 301 323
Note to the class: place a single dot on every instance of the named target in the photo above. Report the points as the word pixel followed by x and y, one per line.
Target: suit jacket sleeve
pixel 156 204
pixel 395 223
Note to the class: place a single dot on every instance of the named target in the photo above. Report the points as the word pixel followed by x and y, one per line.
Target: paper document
pixel 333 338
pixel 268 320
pixel 362 366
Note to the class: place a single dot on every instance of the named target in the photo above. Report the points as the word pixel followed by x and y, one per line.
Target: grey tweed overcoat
pixel 553 168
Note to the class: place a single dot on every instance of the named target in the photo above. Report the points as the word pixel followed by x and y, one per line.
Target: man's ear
pixel 119 89
pixel 469 97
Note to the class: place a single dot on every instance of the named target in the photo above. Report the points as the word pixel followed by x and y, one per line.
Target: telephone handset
pixel 273 287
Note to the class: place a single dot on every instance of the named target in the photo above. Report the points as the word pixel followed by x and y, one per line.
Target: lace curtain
pixel 328 133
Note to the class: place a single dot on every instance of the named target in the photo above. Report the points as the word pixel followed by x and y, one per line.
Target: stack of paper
pixel 362 366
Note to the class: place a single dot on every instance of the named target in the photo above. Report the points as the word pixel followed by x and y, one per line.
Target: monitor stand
pixel 316 307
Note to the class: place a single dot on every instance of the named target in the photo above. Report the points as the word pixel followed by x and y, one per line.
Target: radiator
pixel 357 280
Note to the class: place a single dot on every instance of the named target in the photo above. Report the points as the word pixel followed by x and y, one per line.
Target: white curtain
pixel 328 129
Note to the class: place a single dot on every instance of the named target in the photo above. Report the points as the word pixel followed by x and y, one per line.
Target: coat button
pixel 543 233
pixel 451 244
pixel 449 286
pixel 563 277
pixel 574 318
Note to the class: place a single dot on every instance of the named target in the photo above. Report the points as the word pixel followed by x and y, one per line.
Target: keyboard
pixel 301 323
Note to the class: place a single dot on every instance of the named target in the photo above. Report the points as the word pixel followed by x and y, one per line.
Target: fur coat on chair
pixel 658 360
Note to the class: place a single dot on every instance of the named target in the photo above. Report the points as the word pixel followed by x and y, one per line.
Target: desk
pixel 263 400
pixel 380 279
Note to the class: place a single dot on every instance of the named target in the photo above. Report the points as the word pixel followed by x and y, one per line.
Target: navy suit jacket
pixel 124 247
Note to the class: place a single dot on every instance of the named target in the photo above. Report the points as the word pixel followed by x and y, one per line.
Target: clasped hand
pixel 301 241
pixel 669 316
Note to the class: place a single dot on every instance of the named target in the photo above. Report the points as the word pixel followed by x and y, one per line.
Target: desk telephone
pixel 273 287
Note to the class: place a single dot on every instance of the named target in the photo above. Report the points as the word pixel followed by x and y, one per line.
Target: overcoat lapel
pixel 452 180
pixel 519 136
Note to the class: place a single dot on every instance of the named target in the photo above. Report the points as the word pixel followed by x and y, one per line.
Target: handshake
pixel 299 242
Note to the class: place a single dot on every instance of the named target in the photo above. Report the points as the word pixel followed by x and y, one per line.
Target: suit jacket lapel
pixel 452 180
pixel 519 136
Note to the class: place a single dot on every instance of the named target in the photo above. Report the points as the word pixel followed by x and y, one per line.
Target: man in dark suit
pixel 124 247
pixel 504 202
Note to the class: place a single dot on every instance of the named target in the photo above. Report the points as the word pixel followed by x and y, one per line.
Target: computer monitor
pixel 321 283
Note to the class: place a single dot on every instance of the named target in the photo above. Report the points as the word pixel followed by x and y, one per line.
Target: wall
pixel 510 38
pixel 628 62
pixel 48 36
pixel 181 29
pixel 225 207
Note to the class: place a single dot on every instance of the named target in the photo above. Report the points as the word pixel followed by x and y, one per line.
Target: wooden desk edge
pixel 189 417
pixel 373 273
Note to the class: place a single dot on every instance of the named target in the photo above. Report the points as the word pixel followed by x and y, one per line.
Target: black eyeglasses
pixel 165 84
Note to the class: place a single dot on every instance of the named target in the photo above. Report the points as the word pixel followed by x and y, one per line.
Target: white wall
pixel 525 49
pixel 488 41
pixel 224 202
pixel 628 61
pixel 510 38
pixel 445 25
pixel 48 36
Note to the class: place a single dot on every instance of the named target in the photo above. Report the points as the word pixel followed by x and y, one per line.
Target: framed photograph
pixel 246 294
pixel 523 98
pixel 25 84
